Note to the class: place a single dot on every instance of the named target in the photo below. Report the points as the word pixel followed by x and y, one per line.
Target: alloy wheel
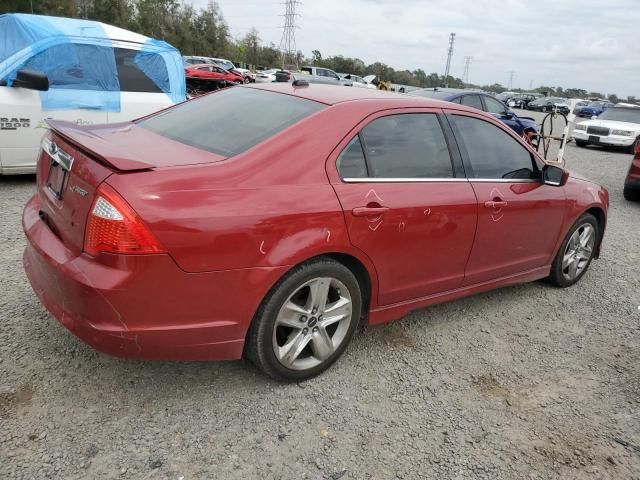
pixel 578 252
pixel 312 323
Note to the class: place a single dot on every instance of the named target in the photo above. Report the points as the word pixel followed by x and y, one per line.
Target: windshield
pixel 630 115
pixel 240 112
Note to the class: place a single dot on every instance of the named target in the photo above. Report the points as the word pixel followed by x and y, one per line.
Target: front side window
pixel 492 152
pixel 494 106
pixel 472 101
pixel 407 146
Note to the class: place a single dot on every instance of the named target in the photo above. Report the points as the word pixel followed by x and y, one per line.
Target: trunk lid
pixel 125 147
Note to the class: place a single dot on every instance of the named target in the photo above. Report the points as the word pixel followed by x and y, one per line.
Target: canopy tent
pixel 83 60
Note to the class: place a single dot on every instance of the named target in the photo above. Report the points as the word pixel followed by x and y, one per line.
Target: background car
pixel 632 182
pixel 178 237
pixel 266 75
pixel 314 74
pixel 481 101
pixel 227 65
pixel 76 70
pixel 549 104
pixel 592 109
pixel 521 100
pixel 210 71
pixel 356 81
pixel 615 127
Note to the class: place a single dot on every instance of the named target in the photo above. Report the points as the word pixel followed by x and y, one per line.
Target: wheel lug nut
pixel 315 329
pixel 303 319
pixel 305 330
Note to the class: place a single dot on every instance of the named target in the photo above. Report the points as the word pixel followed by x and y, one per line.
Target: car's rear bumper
pixel 609 140
pixel 143 306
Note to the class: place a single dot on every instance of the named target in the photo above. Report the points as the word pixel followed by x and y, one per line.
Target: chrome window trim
pixel 402 180
pixel 438 180
pixel 504 180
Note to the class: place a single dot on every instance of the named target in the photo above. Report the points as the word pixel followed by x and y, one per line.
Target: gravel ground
pixel 525 382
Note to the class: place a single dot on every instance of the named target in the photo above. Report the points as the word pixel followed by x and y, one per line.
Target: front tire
pixel 632 195
pixel 576 252
pixel 581 143
pixel 306 321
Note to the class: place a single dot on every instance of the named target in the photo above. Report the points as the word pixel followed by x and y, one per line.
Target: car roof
pixel 334 94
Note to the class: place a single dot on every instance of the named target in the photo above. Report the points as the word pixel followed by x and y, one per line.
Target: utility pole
pixel 530 85
pixel 288 42
pixel 452 39
pixel 511 75
pixel 465 75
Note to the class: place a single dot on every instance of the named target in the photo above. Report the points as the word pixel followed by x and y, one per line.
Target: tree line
pixel 204 32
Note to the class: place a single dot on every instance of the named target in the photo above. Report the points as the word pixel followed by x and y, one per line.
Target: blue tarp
pixel 78 57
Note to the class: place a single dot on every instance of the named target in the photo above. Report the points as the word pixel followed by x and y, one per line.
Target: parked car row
pixel 248 75
pixel 549 104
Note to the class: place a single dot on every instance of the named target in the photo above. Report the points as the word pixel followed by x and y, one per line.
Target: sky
pixel 590 44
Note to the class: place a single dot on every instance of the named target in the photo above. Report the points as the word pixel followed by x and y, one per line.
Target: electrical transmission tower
pixel 465 75
pixel 511 75
pixel 452 38
pixel 288 42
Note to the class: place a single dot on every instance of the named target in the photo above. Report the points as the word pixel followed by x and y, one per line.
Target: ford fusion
pixel 179 237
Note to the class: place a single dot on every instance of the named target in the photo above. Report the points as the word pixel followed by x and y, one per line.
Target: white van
pixel 82 71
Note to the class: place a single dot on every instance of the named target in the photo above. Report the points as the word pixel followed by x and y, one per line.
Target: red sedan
pixel 207 71
pixel 632 182
pixel 174 237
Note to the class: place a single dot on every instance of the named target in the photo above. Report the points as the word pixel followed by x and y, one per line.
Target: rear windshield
pixel 230 121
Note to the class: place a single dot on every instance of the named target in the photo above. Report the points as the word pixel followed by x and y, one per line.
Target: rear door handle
pixel 369 211
pixel 495 204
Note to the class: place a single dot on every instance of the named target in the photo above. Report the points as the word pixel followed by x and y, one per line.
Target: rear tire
pixel 306 321
pixel 576 252
pixel 581 143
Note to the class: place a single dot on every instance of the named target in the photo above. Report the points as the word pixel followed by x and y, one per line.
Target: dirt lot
pixel 526 382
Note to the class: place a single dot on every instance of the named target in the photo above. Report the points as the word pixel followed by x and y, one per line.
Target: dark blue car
pixel 481 101
pixel 593 109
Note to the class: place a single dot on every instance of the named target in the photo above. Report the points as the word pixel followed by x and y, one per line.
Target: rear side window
pixel 230 121
pixel 493 153
pixel 351 162
pixel 407 146
pixel 494 106
pixel 132 78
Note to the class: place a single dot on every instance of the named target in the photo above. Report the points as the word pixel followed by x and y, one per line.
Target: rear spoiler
pixel 87 138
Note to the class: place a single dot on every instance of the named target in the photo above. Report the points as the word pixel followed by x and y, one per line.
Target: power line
pixel 452 39
pixel 288 41
pixel 465 75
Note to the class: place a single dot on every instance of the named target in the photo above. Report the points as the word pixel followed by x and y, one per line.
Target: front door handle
pixel 495 204
pixel 369 211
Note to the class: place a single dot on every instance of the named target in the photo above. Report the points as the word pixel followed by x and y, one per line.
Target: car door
pixel 406 202
pixel 519 217
pixel 23 111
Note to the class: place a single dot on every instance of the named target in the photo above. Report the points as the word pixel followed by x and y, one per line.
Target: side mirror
pixel 554 176
pixel 508 115
pixel 32 80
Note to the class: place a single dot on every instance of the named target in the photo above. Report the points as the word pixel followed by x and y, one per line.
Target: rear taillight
pixel 114 227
